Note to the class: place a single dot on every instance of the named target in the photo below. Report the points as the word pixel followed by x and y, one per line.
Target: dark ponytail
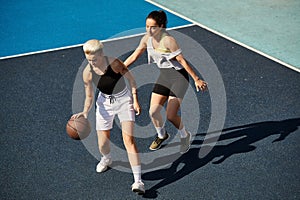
pixel 160 17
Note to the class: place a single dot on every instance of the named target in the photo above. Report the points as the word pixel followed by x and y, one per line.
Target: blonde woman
pixel 114 98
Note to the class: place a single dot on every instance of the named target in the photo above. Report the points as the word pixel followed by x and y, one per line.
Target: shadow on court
pixel 248 135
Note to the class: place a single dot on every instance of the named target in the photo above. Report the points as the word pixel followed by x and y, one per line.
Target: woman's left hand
pixel 200 84
pixel 137 108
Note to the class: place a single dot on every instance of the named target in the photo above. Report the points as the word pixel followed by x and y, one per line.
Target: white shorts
pixel 107 106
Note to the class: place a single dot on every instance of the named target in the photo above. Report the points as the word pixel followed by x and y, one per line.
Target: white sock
pixel 137 173
pixel 161 132
pixel 183 133
pixel 107 156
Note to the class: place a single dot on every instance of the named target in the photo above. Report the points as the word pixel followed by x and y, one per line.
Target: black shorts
pixel 172 83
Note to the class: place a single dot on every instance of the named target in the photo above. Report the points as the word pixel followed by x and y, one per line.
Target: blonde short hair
pixel 92 46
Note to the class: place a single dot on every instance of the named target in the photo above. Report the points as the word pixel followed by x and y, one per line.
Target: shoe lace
pixel 157 140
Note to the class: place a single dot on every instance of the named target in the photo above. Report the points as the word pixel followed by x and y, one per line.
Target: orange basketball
pixel 79 128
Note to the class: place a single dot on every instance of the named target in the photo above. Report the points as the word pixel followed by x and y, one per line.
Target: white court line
pixel 179 15
pixel 226 37
pixel 37 52
pixel 78 45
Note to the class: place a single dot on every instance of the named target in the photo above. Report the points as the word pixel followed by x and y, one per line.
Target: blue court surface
pixel 31 26
pixel 245 128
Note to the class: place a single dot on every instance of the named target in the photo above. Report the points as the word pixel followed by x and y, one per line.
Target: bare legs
pixel 128 139
pixel 132 152
pixel 156 104
pixel 129 142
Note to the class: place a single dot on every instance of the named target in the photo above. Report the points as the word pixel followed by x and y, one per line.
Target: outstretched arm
pixel 138 52
pixel 171 44
pixel 199 84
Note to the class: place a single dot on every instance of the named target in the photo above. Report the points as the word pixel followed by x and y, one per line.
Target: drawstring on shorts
pixel 112 99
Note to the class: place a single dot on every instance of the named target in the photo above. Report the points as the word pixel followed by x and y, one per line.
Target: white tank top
pixel 163 59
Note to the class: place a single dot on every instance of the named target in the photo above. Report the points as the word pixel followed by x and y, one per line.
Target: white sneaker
pixel 103 164
pixel 138 187
pixel 185 143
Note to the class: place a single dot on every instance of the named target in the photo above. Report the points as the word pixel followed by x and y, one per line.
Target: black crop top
pixel 110 82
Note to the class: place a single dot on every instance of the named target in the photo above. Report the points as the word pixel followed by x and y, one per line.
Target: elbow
pixel 181 61
pixel 90 98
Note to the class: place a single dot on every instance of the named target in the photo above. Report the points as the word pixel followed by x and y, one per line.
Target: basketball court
pixel 245 128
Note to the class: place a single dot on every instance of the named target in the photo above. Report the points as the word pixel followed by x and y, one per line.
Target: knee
pixel 171 116
pixel 129 144
pixel 128 141
pixel 152 112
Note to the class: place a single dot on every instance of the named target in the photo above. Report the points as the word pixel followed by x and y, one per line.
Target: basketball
pixel 78 129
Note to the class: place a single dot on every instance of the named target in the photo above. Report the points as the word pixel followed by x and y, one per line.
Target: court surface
pixel 267 27
pixel 245 128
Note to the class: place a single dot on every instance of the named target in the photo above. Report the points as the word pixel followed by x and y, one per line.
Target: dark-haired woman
pixel 172 82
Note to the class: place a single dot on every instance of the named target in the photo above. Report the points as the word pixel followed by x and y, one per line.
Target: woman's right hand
pixel 81 114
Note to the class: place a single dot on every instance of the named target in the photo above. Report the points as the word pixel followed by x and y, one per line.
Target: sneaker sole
pixel 159 145
pixel 139 192
pixel 105 169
